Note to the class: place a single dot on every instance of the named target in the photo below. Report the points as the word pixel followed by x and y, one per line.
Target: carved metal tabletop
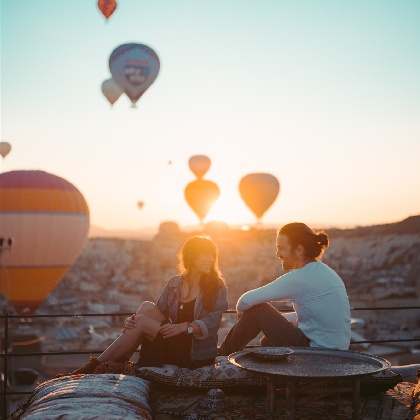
pixel 313 362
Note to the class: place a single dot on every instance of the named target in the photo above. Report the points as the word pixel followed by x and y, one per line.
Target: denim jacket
pixel 204 344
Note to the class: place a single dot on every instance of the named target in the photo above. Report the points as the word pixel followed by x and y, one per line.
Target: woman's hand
pixel 130 323
pixel 171 330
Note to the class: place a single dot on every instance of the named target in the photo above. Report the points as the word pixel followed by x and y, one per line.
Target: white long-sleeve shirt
pixel 319 299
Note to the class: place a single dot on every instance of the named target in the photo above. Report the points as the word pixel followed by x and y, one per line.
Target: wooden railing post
pixel 5 365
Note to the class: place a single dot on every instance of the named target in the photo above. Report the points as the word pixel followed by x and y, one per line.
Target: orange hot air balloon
pixel 259 192
pixel 48 219
pixel 5 148
pixel 140 204
pixel 199 164
pixel 200 196
pixel 107 7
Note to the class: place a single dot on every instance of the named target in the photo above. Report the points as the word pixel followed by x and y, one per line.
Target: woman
pixel 182 327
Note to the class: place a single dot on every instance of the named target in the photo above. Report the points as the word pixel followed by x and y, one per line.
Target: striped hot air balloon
pixel 48 219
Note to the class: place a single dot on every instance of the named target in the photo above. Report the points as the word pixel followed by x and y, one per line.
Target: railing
pixel 6 355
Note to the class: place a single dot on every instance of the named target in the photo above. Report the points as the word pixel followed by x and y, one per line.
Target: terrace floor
pixel 391 405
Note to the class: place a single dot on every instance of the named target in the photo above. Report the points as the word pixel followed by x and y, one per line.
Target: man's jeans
pixel 278 331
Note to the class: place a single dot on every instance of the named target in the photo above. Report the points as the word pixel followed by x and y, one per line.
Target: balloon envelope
pixel 201 195
pixel 111 91
pixel 199 164
pixel 259 192
pixel 5 148
pixel 107 7
pixel 134 67
pixel 140 204
pixel 48 219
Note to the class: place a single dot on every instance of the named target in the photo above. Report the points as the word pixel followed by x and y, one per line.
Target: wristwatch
pixel 189 328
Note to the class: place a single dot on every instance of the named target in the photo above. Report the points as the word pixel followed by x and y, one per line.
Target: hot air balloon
pixel 259 191
pixel 107 7
pixel 199 164
pixel 48 219
pixel 111 91
pixel 5 148
pixel 134 67
pixel 201 195
pixel 140 204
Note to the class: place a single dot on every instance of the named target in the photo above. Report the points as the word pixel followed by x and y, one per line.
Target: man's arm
pixel 284 288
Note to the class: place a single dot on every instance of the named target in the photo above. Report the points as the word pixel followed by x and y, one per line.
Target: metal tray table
pixel 312 371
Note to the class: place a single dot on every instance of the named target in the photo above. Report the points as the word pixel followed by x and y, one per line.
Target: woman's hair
pixel 188 254
pixel 300 234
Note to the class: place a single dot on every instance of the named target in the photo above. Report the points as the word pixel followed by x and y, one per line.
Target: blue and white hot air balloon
pixel 134 67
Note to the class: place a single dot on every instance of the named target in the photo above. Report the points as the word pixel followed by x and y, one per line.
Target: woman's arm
pixel 213 319
pixel 162 302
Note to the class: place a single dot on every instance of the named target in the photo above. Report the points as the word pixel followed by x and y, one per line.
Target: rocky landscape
pixel 380 266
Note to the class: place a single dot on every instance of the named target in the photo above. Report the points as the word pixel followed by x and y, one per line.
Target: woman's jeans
pixel 278 331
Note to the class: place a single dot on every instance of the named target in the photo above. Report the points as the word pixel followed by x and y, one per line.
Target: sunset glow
pixel 323 96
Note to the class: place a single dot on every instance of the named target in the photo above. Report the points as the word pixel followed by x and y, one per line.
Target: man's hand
pixel 171 330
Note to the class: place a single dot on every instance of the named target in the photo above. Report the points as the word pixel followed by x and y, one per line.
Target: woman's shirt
pixel 204 343
pixel 178 348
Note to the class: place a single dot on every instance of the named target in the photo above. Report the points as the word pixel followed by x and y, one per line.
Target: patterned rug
pixel 391 405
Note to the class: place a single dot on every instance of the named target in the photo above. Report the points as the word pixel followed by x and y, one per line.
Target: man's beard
pixel 289 264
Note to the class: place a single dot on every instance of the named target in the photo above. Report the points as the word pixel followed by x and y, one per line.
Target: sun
pixel 231 210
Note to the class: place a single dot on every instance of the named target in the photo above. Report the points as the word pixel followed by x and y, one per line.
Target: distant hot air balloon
pixel 48 219
pixel 5 148
pixel 140 204
pixel 111 90
pixel 134 67
pixel 199 164
pixel 201 195
pixel 107 7
pixel 259 191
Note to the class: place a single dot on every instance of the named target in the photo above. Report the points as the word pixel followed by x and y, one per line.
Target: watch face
pixel 189 330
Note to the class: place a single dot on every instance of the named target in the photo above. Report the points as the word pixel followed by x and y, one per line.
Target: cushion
pixel 225 375
pixel 222 374
pixel 110 396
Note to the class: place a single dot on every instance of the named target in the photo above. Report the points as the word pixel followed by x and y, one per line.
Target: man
pixel 320 301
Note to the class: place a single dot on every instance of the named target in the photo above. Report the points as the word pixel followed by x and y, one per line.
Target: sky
pixel 322 94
